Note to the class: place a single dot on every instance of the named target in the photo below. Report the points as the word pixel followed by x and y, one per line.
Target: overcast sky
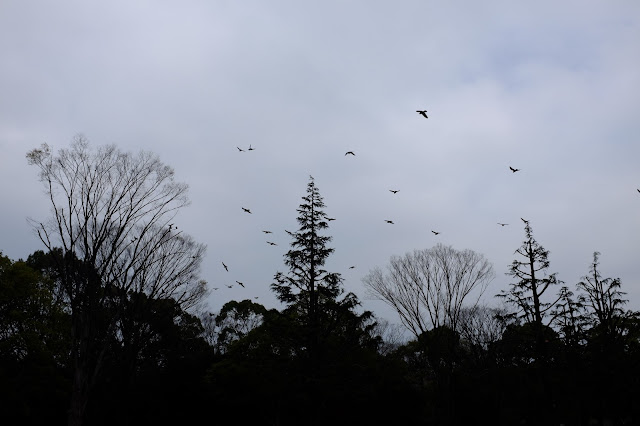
pixel 549 87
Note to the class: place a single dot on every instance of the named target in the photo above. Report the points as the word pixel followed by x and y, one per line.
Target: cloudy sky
pixel 549 87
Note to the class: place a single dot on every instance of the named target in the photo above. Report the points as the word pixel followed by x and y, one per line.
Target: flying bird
pixel 351 267
pixel 240 149
pixel 638 190
pixel 524 220
pixel 241 285
pixel 270 243
pixel 514 170
pixel 246 210
pixel 436 233
pixel 267 232
pixel 215 288
pixel 350 152
pixel 250 148
pixel 502 224
pixel 225 267
pixel 423 113
pixel 395 191
pixel 229 286
pixel 389 221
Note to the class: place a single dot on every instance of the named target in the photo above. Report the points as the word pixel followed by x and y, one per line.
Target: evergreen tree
pixel 532 282
pixel 310 291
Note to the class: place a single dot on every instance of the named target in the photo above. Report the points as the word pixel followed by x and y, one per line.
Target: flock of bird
pixel 423 113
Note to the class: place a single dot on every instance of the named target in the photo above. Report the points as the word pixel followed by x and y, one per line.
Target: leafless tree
pixel 427 288
pixel 111 219
pixel 482 325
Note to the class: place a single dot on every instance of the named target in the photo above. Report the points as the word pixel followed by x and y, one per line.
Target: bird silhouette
pixel 330 219
pixel 502 224
pixel 423 113
pixel 351 267
pixel 524 220
pixel 267 232
pixel 514 170
pixel 389 221
pixel 436 233
pixel 350 152
pixel 241 285
pixel 215 288
pixel 240 149
pixel 395 191
pixel 246 210
pixel 229 286
pixel 638 190
pixel 225 267
pixel 250 147
pixel 272 244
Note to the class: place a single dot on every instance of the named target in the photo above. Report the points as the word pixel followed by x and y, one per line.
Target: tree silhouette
pixel 530 269
pixel 427 288
pixel 309 287
pixel 111 220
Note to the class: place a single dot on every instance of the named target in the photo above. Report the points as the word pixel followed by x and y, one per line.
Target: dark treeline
pixel 107 329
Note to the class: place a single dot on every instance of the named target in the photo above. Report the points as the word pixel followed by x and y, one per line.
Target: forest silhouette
pixel 107 325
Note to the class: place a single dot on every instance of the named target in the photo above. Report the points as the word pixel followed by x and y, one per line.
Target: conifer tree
pixel 309 290
pixel 530 271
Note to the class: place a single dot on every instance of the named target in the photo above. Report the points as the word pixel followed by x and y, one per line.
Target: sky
pixel 551 88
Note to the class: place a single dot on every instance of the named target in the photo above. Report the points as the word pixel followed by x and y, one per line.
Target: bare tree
pixel 427 288
pixel 112 218
pixel 482 325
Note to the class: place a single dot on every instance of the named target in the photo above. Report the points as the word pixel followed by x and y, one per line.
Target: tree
pixel 234 321
pixel 427 288
pixel 603 298
pixel 533 281
pixel 34 346
pixel 311 292
pixel 111 237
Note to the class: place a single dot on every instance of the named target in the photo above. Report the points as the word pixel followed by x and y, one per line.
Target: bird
pixel 330 219
pixel 229 286
pixel 250 147
pixel 246 210
pixel 270 243
pixel 351 267
pixel 436 233
pixel 349 152
pixel 524 220
pixel 514 170
pixel 225 267
pixel 423 113
pixel 215 288
pixel 389 221
pixel 395 191
pixel 256 297
pixel 502 224
pixel 241 285
pixel 638 190
pixel 267 232
pixel 240 149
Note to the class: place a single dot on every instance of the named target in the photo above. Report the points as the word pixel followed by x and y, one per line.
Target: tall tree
pixel 308 285
pixel 112 216
pixel 603 298
pixel 533 280
pixel 310 291
pixel 428 288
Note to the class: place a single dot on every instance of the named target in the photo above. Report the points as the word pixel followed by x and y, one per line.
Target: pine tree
pixel 310 291
pixel 533 281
